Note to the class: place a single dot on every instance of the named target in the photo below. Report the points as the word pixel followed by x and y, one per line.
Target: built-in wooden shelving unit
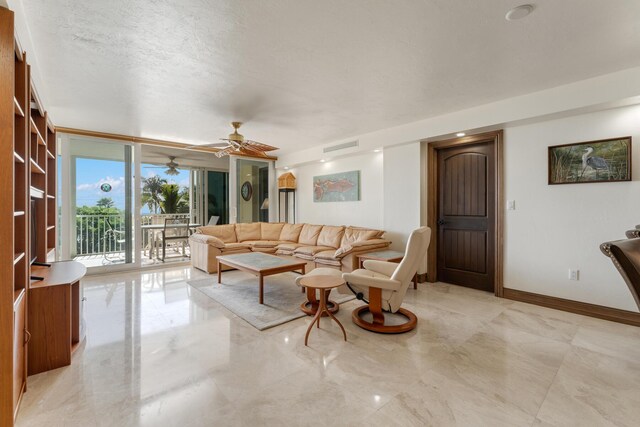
pixel 51 186
pixel 28 161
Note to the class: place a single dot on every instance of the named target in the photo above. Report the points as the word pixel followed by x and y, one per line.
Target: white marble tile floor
pixel 159 353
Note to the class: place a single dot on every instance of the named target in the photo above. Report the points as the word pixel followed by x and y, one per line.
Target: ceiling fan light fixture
pixel 172 172
pixel 235 136
pixel 519 12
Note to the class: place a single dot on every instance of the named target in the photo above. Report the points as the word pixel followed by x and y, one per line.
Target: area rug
pixel 239 293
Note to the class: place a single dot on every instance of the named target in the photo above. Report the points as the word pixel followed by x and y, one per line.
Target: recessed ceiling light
pixel 377 150
pixel 519 12
pixel 460 134
pixel 286 168
pixel 322 160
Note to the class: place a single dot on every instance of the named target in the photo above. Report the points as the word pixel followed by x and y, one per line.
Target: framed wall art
pixel 337 187
pixel 606 160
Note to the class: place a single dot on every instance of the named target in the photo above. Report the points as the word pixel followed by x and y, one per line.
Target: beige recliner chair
pixel 383 286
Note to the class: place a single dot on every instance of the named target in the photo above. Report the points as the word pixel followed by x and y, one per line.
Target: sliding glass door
pixel 210 196
pixel 97 221
pixel 118 202
pixel 252 190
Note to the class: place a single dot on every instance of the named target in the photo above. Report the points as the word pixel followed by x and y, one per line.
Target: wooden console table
pixel 55 315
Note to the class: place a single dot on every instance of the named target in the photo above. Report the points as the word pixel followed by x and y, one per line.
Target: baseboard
pixel 586 309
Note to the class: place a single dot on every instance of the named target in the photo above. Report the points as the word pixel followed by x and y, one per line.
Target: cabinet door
pixel 18 350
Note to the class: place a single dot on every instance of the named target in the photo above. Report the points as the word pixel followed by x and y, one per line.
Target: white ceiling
pixel 304 72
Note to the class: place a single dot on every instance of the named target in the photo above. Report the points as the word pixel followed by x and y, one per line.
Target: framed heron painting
pixel 606 160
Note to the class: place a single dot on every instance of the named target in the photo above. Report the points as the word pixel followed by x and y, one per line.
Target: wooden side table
pixel 311 305
pixel 389 256
pixel 324 284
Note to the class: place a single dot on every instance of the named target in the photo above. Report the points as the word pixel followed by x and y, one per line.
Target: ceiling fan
pixel 171 165
pixel 236 143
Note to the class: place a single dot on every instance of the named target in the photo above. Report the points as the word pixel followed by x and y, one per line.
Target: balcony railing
pixel 104 234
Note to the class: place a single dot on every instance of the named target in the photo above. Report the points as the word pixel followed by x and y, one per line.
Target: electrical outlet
pixel 574 274
pixel 511 205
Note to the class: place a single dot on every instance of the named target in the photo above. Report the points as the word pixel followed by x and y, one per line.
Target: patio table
pixel 152 229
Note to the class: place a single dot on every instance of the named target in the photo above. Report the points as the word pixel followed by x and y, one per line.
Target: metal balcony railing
pixel 103 234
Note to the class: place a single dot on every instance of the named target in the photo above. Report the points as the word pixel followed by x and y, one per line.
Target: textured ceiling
pixel 303 72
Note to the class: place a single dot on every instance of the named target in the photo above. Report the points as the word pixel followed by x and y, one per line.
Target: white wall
pixel 365 213
pixel 553 228
pixel 558 227
pixel 401 203
pixel 390 192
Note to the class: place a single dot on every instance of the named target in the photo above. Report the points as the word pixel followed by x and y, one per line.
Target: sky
pixel 91 174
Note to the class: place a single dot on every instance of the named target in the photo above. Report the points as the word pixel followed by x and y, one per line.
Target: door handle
pixel 441 222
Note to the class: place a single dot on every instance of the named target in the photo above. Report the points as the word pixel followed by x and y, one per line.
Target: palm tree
pixel 184 197
pixel 151 190
pixel 172 200
pixel 105 202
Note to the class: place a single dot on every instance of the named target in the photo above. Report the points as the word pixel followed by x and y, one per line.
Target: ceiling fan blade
pixel 210 145
pixel 225 152
pixel 252 149
pixel 260 146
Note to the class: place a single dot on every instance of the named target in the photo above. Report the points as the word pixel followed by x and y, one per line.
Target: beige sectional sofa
pixel 322 245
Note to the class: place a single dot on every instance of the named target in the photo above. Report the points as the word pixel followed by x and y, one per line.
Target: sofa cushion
pixel 290 232
pixel 207 239
pixel 378 235
pixel 270 231
pixel 361 246
pixel 356 234
pixel 310 250
pixel 287 248
pixel 226 233
pixel 263 243
pixel 234 246
pixel 248 231
pixel 263 250
pixel 309 234
pixel 326 254
pixel 330 236
pixel 327 258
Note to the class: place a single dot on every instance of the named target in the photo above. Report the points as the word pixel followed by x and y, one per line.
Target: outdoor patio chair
pixel 175 231
pixel 115 236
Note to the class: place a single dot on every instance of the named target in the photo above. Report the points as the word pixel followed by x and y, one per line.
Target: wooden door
pixel 466 211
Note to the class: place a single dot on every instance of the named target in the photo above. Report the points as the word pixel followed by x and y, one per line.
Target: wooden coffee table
pixel 324 284
pixel 389 256
pixel 259 264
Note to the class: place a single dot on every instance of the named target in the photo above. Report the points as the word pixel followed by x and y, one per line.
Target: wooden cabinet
pixel 55 315
pixel 19 349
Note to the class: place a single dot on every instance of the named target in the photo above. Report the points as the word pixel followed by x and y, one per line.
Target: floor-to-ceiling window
pixel 177 187
pixel 97 195
pixel 131 205
pixel 165 209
